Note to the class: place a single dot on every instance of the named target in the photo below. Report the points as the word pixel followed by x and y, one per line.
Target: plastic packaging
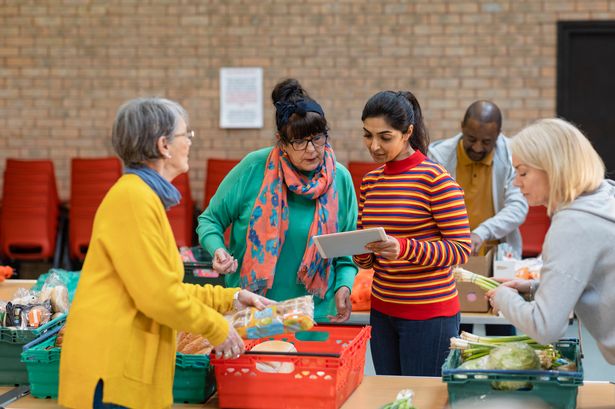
pixel 296 314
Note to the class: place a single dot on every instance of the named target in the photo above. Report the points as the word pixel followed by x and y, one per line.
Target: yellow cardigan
pixel 129 302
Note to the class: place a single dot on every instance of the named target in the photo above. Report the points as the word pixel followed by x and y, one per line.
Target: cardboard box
pixel 504 262
pixel 472 297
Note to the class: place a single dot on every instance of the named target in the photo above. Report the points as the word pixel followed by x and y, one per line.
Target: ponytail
pixel 400 110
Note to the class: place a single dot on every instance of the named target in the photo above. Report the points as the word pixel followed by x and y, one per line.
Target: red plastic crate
pixel 328 367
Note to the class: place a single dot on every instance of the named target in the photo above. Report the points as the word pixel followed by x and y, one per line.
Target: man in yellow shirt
pixel 480 161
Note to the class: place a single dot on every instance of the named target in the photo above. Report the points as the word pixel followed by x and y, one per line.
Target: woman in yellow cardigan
pixel 119 345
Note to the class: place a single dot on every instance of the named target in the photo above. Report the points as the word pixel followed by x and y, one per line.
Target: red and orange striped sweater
pixel 416 201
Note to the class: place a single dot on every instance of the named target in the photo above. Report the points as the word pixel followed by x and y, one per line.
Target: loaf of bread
pixel 59 299
pixel 274 366
pixel 192 344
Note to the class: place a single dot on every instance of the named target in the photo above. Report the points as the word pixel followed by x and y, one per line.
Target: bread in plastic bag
pixel 296 314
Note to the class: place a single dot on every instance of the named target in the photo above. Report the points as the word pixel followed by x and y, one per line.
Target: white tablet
pixel 348 243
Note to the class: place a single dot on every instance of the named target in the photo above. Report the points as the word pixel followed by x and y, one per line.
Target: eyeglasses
pixel 318 141
pixel 187 134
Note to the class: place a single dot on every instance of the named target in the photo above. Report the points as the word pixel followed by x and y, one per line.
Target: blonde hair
pixel 557 147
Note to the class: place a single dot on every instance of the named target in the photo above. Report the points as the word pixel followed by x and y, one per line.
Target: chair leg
pixel 61 245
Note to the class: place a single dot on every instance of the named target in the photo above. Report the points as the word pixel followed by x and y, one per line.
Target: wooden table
pixel 375 391
pixel 8 287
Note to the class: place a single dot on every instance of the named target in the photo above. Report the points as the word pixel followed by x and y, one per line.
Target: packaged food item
pixel 2 312
pixel 56 315
pixel 13 317
pixel 59 299
pixel 192 344
pixel 24 297
pixel 38 315
pixel 292 315
pixel 275 366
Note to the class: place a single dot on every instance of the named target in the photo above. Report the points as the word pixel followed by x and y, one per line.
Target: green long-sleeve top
pixel 232 205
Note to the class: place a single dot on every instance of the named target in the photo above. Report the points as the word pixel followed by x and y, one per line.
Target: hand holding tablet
pixel 348 243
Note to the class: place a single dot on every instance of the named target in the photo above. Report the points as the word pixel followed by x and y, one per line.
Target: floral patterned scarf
pixel 269 221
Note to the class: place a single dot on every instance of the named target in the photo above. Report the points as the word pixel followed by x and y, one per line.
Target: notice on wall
pixel 241 97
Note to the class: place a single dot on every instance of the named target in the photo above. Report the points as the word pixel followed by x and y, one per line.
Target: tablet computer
pixel 348 243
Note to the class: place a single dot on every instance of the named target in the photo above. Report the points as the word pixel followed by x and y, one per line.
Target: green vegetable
pixel 465 276
pixel 514 356
pixel 402 401
pixel 479 363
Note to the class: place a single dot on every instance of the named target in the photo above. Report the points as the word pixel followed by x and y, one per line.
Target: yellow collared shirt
pixel 475 178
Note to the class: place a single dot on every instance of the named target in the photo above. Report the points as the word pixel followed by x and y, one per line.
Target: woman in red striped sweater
pixel 415 307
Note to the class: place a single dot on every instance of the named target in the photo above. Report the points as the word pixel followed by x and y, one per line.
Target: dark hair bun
pixel 288 90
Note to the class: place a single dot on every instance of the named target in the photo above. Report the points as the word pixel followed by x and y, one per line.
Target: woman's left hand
pixel 249 299
pixel 388 248
pixel 343 304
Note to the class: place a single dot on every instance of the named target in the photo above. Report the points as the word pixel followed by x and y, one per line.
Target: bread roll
pixel 275 366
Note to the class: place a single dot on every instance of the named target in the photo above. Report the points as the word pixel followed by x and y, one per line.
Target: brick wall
pixel 66 65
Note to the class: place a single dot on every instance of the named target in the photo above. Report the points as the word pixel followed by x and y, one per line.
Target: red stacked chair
pixel 533 230
pixel 358 170
pixel 181 216
pixel 91 178
pixel 217 169
pixel 30 210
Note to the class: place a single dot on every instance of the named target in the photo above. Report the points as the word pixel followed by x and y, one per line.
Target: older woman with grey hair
pixel 119 345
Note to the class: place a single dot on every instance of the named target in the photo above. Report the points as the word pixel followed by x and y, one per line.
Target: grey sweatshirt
pixel 578 274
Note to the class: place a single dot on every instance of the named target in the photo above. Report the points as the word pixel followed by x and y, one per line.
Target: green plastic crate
pixel 558 389
pixel 43 365
pixel 193 383
pixel 194 379
pixel 12 369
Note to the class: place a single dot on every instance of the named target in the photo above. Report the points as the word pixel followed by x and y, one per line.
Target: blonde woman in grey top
pixel 557 167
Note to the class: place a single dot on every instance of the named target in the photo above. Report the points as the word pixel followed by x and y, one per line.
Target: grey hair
pixel 139 123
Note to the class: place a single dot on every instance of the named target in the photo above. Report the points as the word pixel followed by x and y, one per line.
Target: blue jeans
pixel 98 396
pixel 408 347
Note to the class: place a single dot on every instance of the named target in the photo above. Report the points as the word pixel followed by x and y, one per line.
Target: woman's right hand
pixel 232 347
pixel 223 262
pixel 522 286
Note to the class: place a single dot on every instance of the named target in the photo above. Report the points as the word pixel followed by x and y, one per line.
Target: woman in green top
pixel 276 200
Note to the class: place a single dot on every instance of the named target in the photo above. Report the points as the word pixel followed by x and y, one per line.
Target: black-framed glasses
pixel 188 134
pixel 318 141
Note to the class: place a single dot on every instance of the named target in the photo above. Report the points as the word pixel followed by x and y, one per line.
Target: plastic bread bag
pixel 59 299
pixel 25 297
pixel 296 314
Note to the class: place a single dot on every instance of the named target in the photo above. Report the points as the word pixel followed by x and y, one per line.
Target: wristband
pixel 531 295
pixel 236 304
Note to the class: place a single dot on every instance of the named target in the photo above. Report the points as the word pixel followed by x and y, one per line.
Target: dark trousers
pixel 408 347
pixel 98 397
